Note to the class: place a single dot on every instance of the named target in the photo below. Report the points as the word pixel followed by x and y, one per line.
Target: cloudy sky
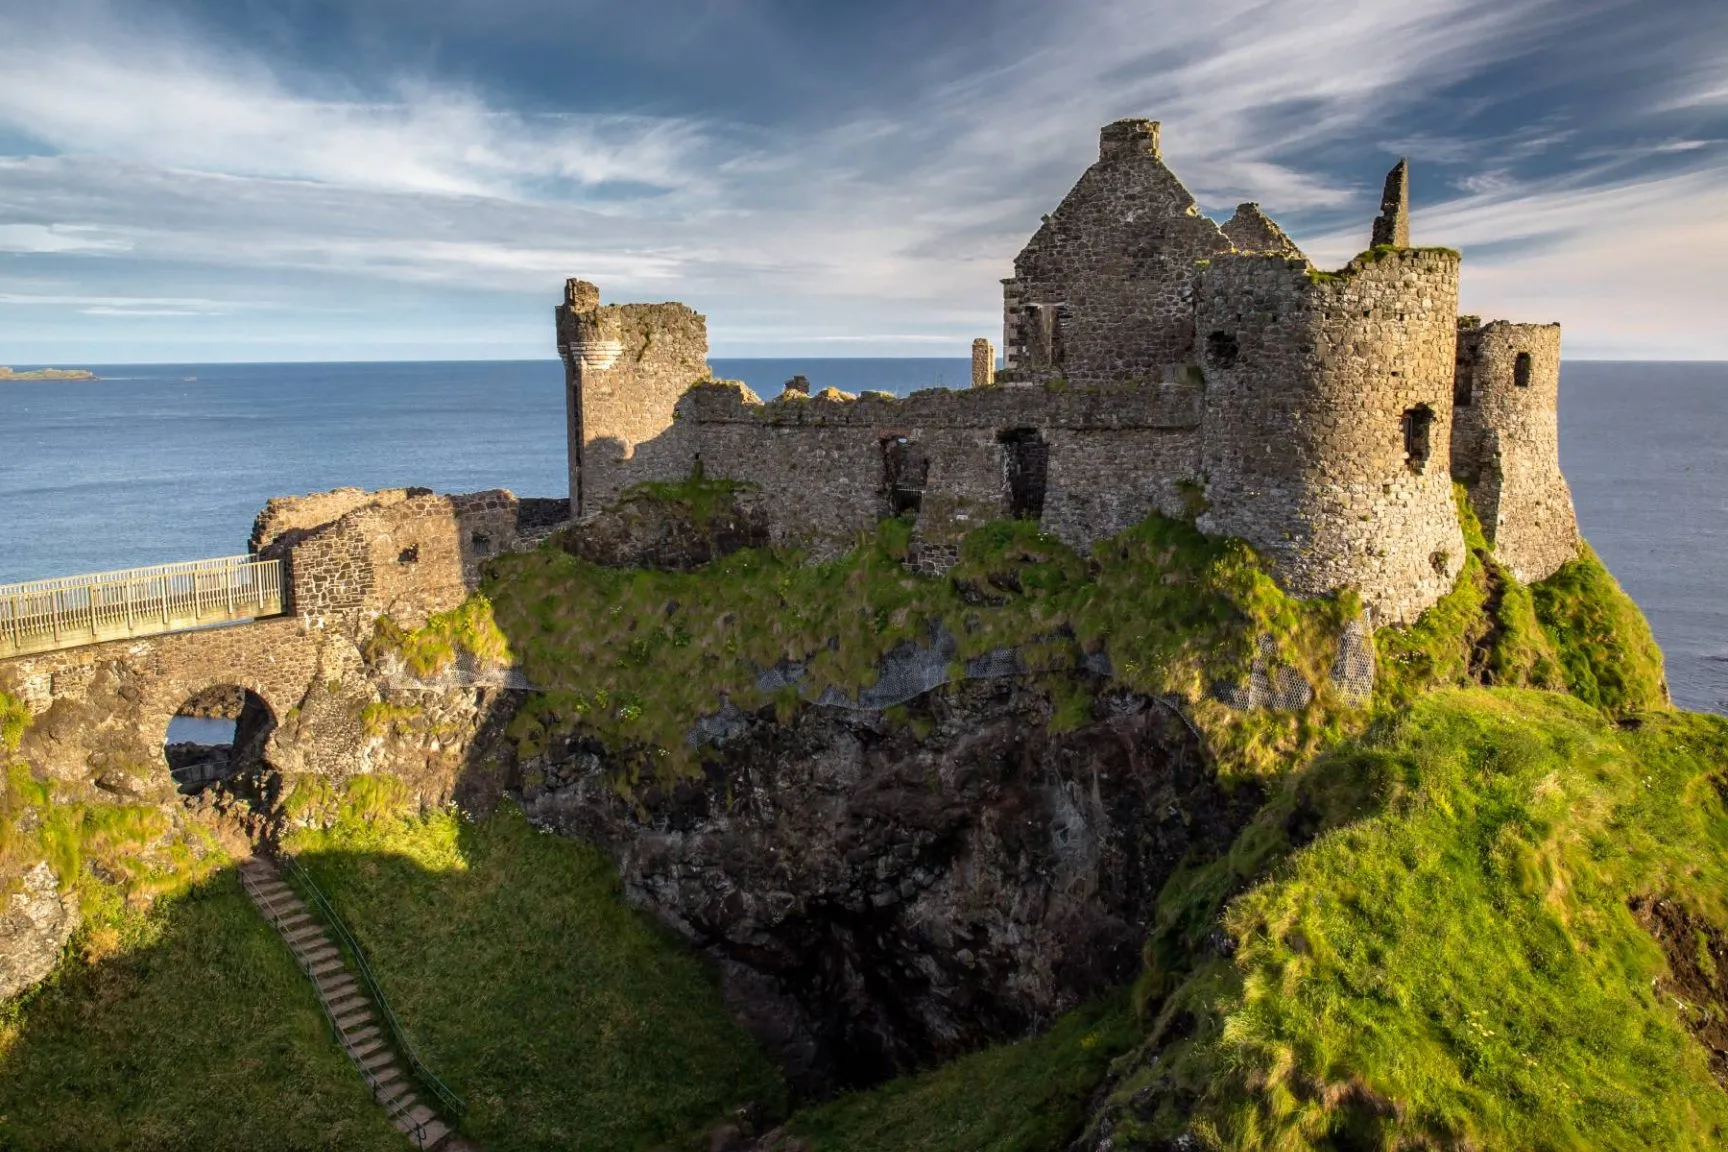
pixel 413 179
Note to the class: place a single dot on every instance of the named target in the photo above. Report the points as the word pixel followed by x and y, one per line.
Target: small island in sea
pixel 49 374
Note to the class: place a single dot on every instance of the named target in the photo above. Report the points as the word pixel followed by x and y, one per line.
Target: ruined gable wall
pixel 1115 455
pixel 1506 445
pixel 625 368
pixel 1109 274
pixel 1304 447
pixel 405 557
pixel 282 515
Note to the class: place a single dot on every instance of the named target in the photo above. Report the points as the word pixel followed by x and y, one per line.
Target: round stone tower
pixel 1326 435
pixel 1506 443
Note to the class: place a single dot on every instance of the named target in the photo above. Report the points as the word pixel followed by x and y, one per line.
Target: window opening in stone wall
pixel 1463 381
pixel 1044 335
pixel 482 543
pixel 1025 464
pixel 1222 349
pixel 409 555
pixel 905 471
pixel 1418 428
pixel 1521 370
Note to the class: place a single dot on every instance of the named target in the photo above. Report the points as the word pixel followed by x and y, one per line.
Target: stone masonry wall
pixel 1506 445
pixel 1114 455
pixel 625 367
pixel 1101 293
pixel 407 555
pixel 1309 380
pixel 301 514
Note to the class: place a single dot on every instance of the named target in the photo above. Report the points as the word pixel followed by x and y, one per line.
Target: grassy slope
pixel 1454 963
pixel 1023 1097
pixel 565 1019
pixel 194 1031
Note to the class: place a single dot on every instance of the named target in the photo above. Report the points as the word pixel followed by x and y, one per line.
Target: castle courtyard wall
pixel 1114 455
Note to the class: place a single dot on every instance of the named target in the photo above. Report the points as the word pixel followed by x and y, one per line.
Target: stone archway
pixel 217 733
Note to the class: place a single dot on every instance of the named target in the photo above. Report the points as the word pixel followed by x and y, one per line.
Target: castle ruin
pixel 1154 361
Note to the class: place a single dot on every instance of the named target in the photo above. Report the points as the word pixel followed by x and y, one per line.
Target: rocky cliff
pixel 883 893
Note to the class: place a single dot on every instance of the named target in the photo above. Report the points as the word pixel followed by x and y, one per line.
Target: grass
pixel 1609 657
pixel 562 1017
pixel 1451 962
pixel 184 1027
pixel 1024 1097
pixel 634 657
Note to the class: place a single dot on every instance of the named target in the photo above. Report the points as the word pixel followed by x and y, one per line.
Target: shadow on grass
pixel 564 1018
pixel 195 1031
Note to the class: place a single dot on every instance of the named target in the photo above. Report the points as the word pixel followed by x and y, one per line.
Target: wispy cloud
pixel 210 172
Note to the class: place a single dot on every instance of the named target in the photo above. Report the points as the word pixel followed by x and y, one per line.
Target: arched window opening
pixel 1521 370
pixel 216 735
pixel 1418 437
pixel 905 471
pixel 1025 464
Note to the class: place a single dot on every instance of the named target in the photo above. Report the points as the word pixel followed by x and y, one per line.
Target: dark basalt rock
pixel 882 895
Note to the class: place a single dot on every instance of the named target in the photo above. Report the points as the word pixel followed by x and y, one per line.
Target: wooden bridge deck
pixel 48 615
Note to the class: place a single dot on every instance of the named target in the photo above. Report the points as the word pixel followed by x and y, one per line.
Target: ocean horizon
pixel 155 463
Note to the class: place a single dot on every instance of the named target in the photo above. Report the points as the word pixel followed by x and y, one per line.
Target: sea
pixel 163 462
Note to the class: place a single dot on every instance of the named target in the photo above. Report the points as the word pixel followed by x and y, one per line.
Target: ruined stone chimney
pixel 1392 226
pixel 580 295
pixel 983 363
pixel 1127 137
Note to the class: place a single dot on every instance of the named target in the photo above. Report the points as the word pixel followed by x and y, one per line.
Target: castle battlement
pixel 1151 356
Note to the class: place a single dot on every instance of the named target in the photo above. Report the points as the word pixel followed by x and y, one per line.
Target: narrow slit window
pixel 1521 370
pixel 1463 382
pixel 1025 465
pixel 1418 437
pixel 1222 349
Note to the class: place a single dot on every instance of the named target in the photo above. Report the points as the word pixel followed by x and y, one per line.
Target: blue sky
pixel 385 179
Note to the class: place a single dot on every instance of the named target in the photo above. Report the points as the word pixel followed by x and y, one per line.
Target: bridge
pixel 70 611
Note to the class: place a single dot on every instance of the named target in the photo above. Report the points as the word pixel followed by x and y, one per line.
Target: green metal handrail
pixel 449 1103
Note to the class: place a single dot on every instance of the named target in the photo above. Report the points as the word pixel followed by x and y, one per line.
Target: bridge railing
pixel 45 615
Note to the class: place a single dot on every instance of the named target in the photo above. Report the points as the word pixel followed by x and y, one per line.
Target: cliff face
pixel 880 895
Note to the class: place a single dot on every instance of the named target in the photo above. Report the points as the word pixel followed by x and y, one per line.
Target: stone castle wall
pixel 1101 293
pixel 408 554
pixel 1506 444
pixel 625 366
pixel 1312 383
pixel 1109 456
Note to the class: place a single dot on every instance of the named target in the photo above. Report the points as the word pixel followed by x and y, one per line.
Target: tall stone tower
pixel 625 366
pixel 1328 418
pixel 1506 443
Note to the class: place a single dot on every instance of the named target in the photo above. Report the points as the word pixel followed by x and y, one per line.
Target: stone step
pixel 353 1020
pixel 433 1135
pixel 415 1117
pixel 272 888
pixel 349 1002
pixel 363 1035
pixel 304 932
pixel 285 919
pixel 388 1074
pixel 336 984
pixel 316 954
pixel 394 1093
pixel 378 1060
pixel 360 1050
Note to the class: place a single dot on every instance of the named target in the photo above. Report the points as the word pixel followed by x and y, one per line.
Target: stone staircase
pixel 350 1010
